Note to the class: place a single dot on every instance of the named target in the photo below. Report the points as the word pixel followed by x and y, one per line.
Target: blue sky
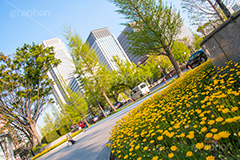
pixel 28 21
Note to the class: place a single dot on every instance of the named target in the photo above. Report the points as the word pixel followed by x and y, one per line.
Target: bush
pixel 51 136
pixel 43 140
pixel 63 130
pixel 196 117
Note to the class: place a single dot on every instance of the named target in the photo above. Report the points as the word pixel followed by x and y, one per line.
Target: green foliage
pixel 196 41
pixel 63 130
pixel 26 87
pixel 180 52
pixel 155 27
pixel 52 136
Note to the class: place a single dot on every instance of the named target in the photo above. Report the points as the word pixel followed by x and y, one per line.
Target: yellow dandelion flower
pixel 209 135
pixel 155 158
pixel 217 137
pixel 195 126
pixel 152 141
pixel 145 148
pixel 160 138
pixel 182 135
pixel 144 140
pixel 139 158
pixel 207 147
pixel 234 109
pixel 224 134
pixel 219 119
pixel 137 147
pixel 204 129
pixel 125 157
pixel 190 136
pixel 189 153
pixel 226 110
pixel 170 155
pixel 214 130
pixel 210 158
pixel 239 133
pixel 173 148
pixel 120 156
pixel 131 149
pixel 211 122
pixel 199 145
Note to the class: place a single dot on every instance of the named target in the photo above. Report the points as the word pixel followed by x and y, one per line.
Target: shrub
pixel 63 130
pixel 196 117
pixel 51 136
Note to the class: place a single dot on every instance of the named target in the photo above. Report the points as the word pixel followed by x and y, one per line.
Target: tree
pixel 197 39
pixel 164 64
pixel 87 63
pixel 25 87
pixel 180 52
pixel 128 74
pixel 203 11
pixel 156 27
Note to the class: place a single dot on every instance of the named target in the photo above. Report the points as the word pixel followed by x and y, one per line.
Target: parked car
pixel 139 91
pixel 107 112
pixel 196 59
pixel 95 119
pixel 118 104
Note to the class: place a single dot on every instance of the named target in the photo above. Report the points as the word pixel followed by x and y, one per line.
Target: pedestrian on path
pixel 70 140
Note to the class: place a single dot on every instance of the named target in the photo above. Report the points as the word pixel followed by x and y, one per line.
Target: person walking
pixel 70 139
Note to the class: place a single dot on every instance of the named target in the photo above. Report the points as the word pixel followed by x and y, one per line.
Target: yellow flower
pixel 190 136
pixel 125 157
pixel 152 141
pixel 224 134
pixel 209 135
pixel 204 129
pixel 155 158
pixel 144 140
pixel 160 138
pixel 199 145
pixel 170 155
pixel 211 122
pixel 217 137
pixel 113 151
pixel 210 158
pixel 182 135
pixel 226 110
pixel 139 158
pixel 214 130
pixel 195 126
pixel 137 147
pixel 120 156
pixel 207 147
pixel 219 119
pixel 234 109
pixel 131 149
pixel 239 133
pixel 174 148
pixel 189 153
pixel 145 148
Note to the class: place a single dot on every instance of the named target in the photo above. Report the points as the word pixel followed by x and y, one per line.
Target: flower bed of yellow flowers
pixel 196 117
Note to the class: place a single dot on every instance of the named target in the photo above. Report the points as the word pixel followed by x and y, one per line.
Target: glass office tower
pixel 106 46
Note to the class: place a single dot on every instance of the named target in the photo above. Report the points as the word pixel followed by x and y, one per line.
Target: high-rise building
pixel 64 71
pixel 236 7
pixel 106 46
pixel 123 40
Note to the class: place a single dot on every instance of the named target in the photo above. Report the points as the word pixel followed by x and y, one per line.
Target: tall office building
pixel 106 46
pixel 123 40
pixel 64 71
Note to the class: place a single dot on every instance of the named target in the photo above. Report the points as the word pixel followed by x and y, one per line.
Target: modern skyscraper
pixel 123 40
pixel 64 71
pixel 106 46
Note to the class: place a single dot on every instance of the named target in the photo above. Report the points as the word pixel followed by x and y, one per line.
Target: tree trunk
pixel 35 134
pixel 107 99
pixel 174 63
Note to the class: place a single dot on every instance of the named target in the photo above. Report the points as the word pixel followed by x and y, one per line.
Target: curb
pixel 105 153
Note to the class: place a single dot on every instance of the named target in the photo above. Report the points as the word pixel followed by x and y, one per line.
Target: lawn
pixel 196 117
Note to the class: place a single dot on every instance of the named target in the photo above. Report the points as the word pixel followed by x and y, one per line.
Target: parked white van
pixel 139 91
